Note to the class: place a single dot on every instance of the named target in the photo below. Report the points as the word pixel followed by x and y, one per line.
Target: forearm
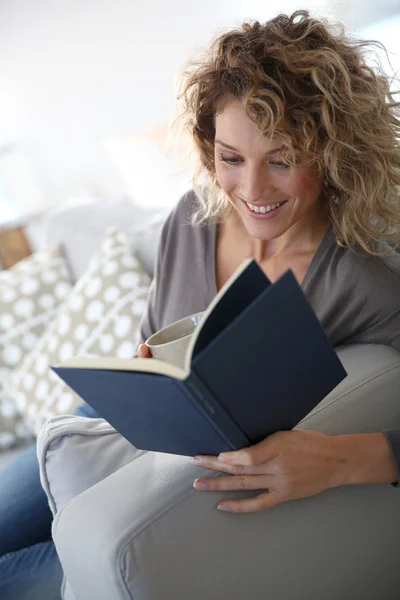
pixel 364 458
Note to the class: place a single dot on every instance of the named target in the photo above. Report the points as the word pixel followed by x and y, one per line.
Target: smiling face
pixel 270 197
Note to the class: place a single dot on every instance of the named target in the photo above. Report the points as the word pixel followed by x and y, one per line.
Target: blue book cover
pixel 258 362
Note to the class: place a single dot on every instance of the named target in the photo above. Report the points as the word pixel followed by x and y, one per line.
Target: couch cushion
pixel 99 317
pixel 13 427
pixel 145 238
pixel 30 294
pixel 80 227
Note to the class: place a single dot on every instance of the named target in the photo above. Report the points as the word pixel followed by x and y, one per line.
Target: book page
pixel 244 285
pixel 112 363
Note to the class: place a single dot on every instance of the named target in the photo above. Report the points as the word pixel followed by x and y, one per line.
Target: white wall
pixel 74 72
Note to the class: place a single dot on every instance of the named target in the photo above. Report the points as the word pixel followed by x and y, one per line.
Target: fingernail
pixel 197 461
pixel 224 507
pixel 221 458
pixel 200 484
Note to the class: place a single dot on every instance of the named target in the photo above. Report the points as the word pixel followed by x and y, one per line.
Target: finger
pixel 212 462
pixel 144 351
pixel 254 455
pixel 248 505
pixel 232 483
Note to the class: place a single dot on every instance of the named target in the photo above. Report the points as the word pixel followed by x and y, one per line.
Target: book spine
pixel 215 413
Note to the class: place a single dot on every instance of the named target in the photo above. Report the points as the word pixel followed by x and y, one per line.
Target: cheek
pixel 227 178
pixel 304 184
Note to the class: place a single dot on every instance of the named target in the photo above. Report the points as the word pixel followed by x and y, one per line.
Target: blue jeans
pixel 29 565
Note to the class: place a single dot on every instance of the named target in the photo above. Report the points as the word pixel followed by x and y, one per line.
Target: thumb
pixel 143 351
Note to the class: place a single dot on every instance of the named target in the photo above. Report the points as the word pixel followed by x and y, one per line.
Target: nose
pixel 256 183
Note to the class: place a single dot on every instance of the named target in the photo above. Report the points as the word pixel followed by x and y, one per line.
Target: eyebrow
pixel 274 151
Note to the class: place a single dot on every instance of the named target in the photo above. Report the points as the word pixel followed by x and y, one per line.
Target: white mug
pixel 170 343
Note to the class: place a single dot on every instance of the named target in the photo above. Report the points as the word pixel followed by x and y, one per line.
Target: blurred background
pixel 87 90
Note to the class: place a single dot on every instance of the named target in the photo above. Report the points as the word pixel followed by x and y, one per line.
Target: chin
pixel 266 232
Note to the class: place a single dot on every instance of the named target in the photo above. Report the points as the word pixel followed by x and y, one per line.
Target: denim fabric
pixel 29 566
pixel 33 573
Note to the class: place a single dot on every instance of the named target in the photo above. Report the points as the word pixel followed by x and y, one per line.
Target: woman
pixel 299 142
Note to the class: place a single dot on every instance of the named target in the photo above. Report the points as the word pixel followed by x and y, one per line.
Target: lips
pixel 264 211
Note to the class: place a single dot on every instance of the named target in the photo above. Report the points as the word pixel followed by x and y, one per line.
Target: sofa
pixel 143 533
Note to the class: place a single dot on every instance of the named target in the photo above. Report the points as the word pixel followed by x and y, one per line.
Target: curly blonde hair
pixel 301 71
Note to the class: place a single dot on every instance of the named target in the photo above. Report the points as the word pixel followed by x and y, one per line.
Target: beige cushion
pixel 30 294
pixel 12 425
pixel 99 317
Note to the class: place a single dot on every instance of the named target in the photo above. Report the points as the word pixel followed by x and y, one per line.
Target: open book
pixel 258 362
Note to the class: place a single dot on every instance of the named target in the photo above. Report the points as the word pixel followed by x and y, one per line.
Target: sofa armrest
pixel 367 400
pixel 144 533
pixel 68 469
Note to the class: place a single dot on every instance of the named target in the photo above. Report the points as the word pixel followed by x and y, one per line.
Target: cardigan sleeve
pixel 393 440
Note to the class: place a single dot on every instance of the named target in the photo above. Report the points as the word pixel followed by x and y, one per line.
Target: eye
pixel 230 160
pixel 279 165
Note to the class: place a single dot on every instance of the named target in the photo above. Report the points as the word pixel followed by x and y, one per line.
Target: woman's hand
pixel 287 464
pixel 143 351
pixel 298 463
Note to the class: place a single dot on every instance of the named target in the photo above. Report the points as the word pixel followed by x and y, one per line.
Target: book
pixel 258 362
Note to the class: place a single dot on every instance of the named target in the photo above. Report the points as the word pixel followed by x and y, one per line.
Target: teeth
pixel 263 209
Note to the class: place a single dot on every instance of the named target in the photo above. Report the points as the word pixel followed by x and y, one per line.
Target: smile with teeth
pixel 264 209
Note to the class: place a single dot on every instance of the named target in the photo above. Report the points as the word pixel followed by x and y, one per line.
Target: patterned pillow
pixel 12 426
pixel 30 294
pixel 99 317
